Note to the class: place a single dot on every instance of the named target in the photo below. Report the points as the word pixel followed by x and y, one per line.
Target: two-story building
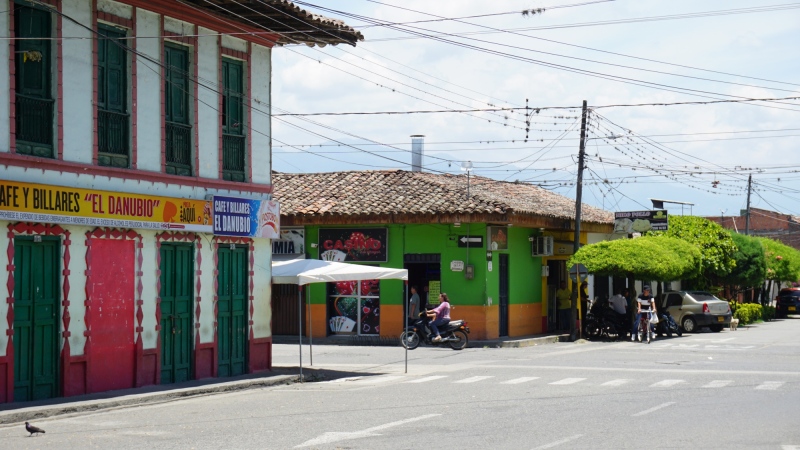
pixel 124 123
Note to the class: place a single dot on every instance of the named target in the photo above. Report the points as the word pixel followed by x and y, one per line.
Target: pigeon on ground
pixel 32 429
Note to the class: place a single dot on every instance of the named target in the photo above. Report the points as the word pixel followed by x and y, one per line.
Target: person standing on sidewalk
pixel 413 304
pixel 563 296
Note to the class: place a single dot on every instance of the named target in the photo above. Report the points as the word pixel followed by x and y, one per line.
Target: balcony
pixel 178 149
pixel 233 157
pixel 34 126
pixel 113 141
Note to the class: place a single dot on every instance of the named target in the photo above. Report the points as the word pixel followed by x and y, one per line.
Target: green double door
pixel 177 294
pixel 36 315
pixel 232 314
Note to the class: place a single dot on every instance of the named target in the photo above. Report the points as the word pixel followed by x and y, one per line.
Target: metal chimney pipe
pixel 417 150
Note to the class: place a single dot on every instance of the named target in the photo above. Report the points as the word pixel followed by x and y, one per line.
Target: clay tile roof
pixel 379 192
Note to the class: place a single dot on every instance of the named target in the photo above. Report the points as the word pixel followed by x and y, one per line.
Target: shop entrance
pixel 424 272
pixel 557 273
pixel 176 312
pixel 232 311
pixel 503 294
pixel 36 315
pixel 284 309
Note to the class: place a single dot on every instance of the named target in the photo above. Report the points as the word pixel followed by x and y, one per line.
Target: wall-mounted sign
pixel 563 248
pixel 640 221
pixel 292 241
pixel 27 202
pixel 243 217
pixel 498 237
pixel 353 244
pixel 456 266
pixel 470 241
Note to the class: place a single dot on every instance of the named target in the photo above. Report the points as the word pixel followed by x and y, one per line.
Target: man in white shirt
pixel 620 302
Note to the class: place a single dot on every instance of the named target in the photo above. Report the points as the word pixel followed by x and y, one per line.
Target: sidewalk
pixel 16 413
pixel 506 342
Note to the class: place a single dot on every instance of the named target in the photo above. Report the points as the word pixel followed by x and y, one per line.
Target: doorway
pixel 285 310
pixel 557 273
pixel 503 294
pixel 424 269
pixel 36 314
pixel 232 311
pixel 176 294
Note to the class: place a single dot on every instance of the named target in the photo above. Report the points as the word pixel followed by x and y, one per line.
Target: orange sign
pixel 56 204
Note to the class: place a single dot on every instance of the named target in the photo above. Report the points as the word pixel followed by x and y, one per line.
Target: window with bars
pixel 234 143
pixel 178 128
pixel 34 104
pixel 113 119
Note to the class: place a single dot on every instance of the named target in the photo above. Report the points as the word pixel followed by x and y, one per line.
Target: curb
pixel 520 343
pixel 18 416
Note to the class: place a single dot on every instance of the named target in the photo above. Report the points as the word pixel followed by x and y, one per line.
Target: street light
pixel 466 166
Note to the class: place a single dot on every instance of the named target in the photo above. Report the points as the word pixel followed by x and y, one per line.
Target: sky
pixel 608 53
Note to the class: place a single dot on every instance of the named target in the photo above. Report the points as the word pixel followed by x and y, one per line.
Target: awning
pixel 305 271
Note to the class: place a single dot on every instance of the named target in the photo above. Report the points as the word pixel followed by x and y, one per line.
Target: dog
pixel 734 324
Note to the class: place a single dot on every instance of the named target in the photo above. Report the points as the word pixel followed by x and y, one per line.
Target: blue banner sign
pixel 242 217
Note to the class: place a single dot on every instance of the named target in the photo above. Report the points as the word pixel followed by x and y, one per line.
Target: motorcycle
pixel 603 321
pixel 667 325
pixel 453 334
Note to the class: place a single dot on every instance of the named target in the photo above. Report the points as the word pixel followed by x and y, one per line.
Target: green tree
pixel 715 244
pixel 783 263
pixel 751 262
pixel 657 258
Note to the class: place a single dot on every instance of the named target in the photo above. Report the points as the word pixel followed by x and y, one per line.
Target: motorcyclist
pixel 644 305
pixel 439 316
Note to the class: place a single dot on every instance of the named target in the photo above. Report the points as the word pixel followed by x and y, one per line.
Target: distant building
pixel 499 253
pixel 764 223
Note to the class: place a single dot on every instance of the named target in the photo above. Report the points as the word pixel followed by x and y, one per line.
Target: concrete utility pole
pixel 577 241
pixel 747 214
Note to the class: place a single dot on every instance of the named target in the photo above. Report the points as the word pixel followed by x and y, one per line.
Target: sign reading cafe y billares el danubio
pixel 26 202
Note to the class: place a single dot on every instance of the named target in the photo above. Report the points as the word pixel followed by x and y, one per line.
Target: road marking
pixel 667 383
pixel 568 381
pixel 336 436
pixel 718 383
pixel 474 379
pixel 619 382
pixel 790 447
pixel 557 443
pixel 343 380
pixel 382 379
pixel 520 380
pixel 426 379
pixel 769 385
pixel 653 409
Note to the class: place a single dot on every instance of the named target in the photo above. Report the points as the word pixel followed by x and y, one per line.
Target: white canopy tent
pixel 305 271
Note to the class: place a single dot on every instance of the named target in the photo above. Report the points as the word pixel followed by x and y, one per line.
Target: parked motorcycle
pixel 453 334
pixel 603 321
pixel 667 325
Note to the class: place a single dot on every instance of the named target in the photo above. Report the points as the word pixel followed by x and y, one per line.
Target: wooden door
pixel 504 294
pixel 177 294
pixel 232 311
pixel 36 315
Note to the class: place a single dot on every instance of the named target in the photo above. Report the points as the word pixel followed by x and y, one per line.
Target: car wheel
pixel 716 328
pixel 689 325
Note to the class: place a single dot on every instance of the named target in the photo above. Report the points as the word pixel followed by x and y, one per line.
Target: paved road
pixel 712 390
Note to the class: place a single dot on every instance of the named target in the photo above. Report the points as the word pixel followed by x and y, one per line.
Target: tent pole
pixel 310 333
pixel 405 321
pixel 300 328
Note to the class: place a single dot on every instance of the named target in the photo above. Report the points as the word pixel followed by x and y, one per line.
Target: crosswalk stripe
pixel 520 380
pixel 426 379
pixel 382 379
pixel 718 383
pixel 568 381
pixel 770 385
pixel 474 379
pixel 619 382
pixel 343 380
pixel 667 383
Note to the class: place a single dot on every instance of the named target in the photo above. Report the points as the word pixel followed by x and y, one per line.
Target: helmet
pixel 646 288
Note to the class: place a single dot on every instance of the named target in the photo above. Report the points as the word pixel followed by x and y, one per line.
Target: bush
pixel 768 313
pixel 734 305
pixel 748 313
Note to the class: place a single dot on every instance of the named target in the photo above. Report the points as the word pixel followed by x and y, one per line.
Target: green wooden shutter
pixel 234 144
pixel 111 71
pixel 177 296
pixel 177 84
pixel 34 104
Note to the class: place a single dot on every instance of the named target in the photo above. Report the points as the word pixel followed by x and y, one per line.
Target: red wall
pixel 112 348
